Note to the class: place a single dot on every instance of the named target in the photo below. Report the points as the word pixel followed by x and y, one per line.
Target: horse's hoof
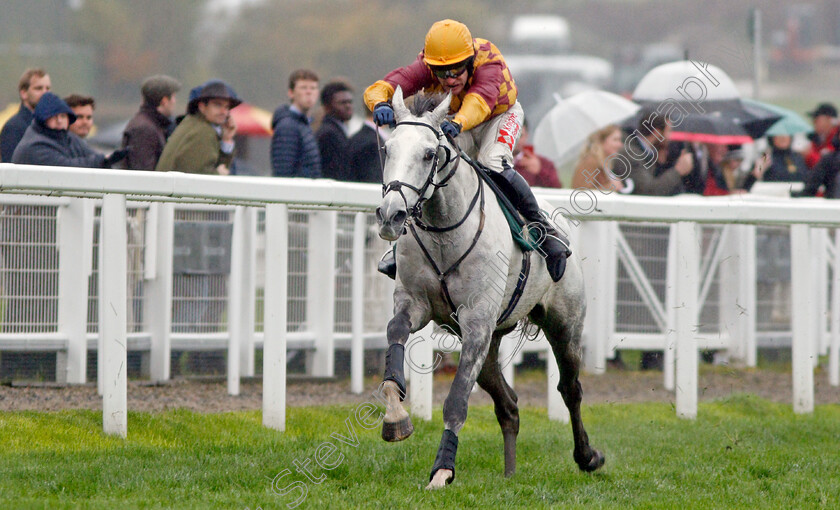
pixel 595 461
pixel 398 430
pixel 441 478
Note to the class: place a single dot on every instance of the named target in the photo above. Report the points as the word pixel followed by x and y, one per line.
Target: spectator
pixel 337 99
pixel 364 153
pixel 723 178
pixel 32 85
pixel 825 175
pixel 294 151
pixel 594 168
pixel 824 118
pixel 538 171
pixel 651 171
pixel 82 107
pixel 203 142
pixel 47 141
pixel 785 165
pixel 147 132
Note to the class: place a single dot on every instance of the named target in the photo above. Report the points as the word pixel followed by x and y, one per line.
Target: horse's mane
pixel 424 103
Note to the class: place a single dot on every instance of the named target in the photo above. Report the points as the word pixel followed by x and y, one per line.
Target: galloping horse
pixel 442 275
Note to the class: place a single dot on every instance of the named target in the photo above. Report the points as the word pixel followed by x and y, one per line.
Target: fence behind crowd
pixel 155 263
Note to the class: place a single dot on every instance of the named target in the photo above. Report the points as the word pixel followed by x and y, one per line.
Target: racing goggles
pixel 449 73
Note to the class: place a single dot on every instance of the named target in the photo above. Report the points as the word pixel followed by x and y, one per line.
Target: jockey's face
pixel 454 84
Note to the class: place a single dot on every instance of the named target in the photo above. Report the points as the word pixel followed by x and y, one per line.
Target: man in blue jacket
pixel 32 85
pixel 294 151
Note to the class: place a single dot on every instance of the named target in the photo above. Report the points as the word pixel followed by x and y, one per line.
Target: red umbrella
pixel 251 121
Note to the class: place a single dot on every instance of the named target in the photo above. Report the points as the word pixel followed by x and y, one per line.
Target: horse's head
pixel 413 155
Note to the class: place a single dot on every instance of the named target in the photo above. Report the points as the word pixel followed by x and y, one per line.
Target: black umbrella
pixel 729 121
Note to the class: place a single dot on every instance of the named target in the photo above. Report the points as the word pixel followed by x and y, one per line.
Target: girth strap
pixel 519 289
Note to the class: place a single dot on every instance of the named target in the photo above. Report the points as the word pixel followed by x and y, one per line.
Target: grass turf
pixel 742 452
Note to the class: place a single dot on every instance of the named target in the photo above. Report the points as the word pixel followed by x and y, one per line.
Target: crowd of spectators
pixel 203 141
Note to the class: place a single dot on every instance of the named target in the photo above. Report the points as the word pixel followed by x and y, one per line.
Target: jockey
pixel 485 115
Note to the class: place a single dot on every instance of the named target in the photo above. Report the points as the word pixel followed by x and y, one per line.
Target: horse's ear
pixel 440 112
pixel 398 104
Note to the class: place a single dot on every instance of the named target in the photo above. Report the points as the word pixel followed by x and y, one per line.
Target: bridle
pixel 414 215
pixel 417 211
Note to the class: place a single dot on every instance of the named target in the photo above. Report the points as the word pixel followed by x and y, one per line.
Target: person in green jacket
pixel 203 142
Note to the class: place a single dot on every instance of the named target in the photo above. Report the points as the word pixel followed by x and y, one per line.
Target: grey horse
pixel 443 276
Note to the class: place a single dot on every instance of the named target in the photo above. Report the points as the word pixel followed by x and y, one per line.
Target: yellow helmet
pixel 448 42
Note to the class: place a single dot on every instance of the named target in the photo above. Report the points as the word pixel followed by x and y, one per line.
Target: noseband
pixel 417 211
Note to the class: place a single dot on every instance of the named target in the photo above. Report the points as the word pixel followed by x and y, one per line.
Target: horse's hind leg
pixel 565 342
pixel 493 382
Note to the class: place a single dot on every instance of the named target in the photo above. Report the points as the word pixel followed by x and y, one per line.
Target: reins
pixel 415 214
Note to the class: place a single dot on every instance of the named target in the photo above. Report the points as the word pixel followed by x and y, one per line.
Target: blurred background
pixel 105 48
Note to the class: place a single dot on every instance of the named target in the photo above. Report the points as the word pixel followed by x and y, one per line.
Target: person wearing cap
pixel 146 132
pixel 203 142
pixel 48 142
pixel 824 117
pixel 486 117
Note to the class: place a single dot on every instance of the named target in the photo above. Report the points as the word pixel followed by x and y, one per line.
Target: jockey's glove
pixel 450 128
pixel 115 157
pixel 383 114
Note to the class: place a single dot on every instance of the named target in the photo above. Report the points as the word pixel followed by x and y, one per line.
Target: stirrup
pixel 388 264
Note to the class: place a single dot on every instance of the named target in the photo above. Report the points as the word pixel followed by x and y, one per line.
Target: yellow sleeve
pixel 473 111
pixel 378 92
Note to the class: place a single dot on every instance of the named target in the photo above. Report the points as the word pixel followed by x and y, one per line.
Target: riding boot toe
pixel 556 263
pixel 388 265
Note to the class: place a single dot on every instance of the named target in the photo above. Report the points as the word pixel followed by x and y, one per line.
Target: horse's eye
pixel 430 155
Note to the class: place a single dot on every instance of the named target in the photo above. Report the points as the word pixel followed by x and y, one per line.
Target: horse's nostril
pixel 379 215
pixel 399 217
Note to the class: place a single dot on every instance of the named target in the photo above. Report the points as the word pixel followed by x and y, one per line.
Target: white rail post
pixel 802 319
pixel 275 320
pixel 671 333
pixel 419 361
pixel 557 409
pixel 737 291
pixel 75 245
pixel 238 298
pixel 834 350
pixel 320 291
pixel 113 264
pixel 357 313
pixel 819 275
pixel 597 253
pixel 249 291
pixel 686 289
pixel 507 356
pixel 158 287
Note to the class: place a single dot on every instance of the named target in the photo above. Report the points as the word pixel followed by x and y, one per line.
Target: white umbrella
pixel 561 134
pixel 668 80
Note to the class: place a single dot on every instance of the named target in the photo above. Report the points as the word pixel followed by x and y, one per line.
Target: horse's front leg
pixel 476 332
pixel 396 424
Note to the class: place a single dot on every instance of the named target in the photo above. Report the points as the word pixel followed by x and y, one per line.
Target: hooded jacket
pixel 294 151
pixel 41 145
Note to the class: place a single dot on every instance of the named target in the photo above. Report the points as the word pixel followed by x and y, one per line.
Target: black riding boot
pixel 388 264
pixel 554 247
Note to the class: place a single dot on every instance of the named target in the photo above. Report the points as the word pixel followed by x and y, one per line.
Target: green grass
pixel 743 452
